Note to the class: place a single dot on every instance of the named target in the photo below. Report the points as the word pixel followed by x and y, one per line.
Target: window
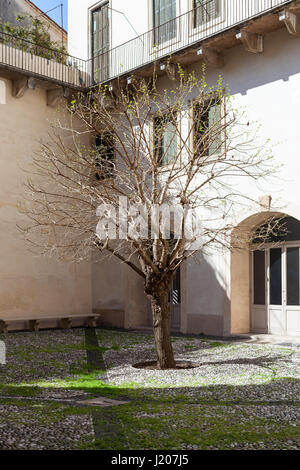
pixel 259 277
pixel 292 276
pixel 165 141
pixel 207 132
pixel 285 229
pixel 164 20
pixel 175 293
pixel 275 276
pixel 206 11
pixel 100 43
pixel 105 156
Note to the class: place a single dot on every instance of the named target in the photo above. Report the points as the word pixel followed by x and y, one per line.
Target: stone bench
pixel 34 322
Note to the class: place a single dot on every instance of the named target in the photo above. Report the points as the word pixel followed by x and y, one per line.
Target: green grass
pixel 203 412
pixel 171 426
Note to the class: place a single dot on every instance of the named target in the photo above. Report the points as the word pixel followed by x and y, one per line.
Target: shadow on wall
pixel 244 71
pixel 206 300
pixel 279 61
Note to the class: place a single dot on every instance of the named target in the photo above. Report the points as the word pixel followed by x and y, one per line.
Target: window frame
pixel 196 102
pixel 194 30
pixel 110 172
pixel 153 138
pixel 92 10
pixel 151 27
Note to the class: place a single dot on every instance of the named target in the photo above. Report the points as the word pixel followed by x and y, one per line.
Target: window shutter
pixel 169 143
pixel 214 120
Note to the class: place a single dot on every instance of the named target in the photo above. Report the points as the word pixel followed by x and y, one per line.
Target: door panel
pixel 259 319
pixel 277 324
pixel 293 321
pixel 100 43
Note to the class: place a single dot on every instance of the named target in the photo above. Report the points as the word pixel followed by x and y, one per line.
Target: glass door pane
pixel 275 276
pixel 164 20
pixel 259 277
pixel 175 295
pixel 206 11
pixel 292 276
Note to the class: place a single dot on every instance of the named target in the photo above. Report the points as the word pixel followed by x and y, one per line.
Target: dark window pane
pixel 105 157
pixel 292 276
pixel 278 230
pixel 275 277
pixel 259 278
pixel 175 293
pixel 205 11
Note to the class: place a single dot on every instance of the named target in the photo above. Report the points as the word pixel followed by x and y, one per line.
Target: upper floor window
pixel 164 20
pixel 206 11
pixel 100 42
pixel 208 127
pixel 165 139
pixel 105 156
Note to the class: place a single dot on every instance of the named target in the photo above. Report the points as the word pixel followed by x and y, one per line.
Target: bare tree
pixel 106 177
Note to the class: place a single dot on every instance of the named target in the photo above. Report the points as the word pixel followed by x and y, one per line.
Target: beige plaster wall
pixel 30 285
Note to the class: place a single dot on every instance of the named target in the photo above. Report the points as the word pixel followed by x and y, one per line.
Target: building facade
pixel 254 45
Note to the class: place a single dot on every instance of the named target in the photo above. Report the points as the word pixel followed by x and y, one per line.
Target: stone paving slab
pixel 102 401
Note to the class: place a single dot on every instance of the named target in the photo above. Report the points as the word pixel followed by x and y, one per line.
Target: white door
pixel 276 290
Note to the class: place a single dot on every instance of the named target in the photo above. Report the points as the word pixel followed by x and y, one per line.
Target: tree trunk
pixel 162 330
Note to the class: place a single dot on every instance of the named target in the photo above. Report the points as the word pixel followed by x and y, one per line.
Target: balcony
pixel 216 23
pixel 49 68
pixel 202 33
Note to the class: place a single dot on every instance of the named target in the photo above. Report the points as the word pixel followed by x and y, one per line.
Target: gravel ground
pixel 31 429
pixel 247 371
pixel 242 396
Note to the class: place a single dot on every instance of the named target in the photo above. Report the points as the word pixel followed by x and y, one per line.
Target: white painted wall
pixel 136 12
pixel 267 88
pixel 128 21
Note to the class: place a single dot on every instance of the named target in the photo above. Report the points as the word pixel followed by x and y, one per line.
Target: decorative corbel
pixel 252 42
pixel 20 86
pixel 212 57
pixel 291 20
pixel 54 96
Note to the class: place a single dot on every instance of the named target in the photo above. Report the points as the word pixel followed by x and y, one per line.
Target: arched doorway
pixel 275 280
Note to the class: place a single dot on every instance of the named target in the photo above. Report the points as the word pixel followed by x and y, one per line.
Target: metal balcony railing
pixel 54 65
pixel 202 22
pixel 208 19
